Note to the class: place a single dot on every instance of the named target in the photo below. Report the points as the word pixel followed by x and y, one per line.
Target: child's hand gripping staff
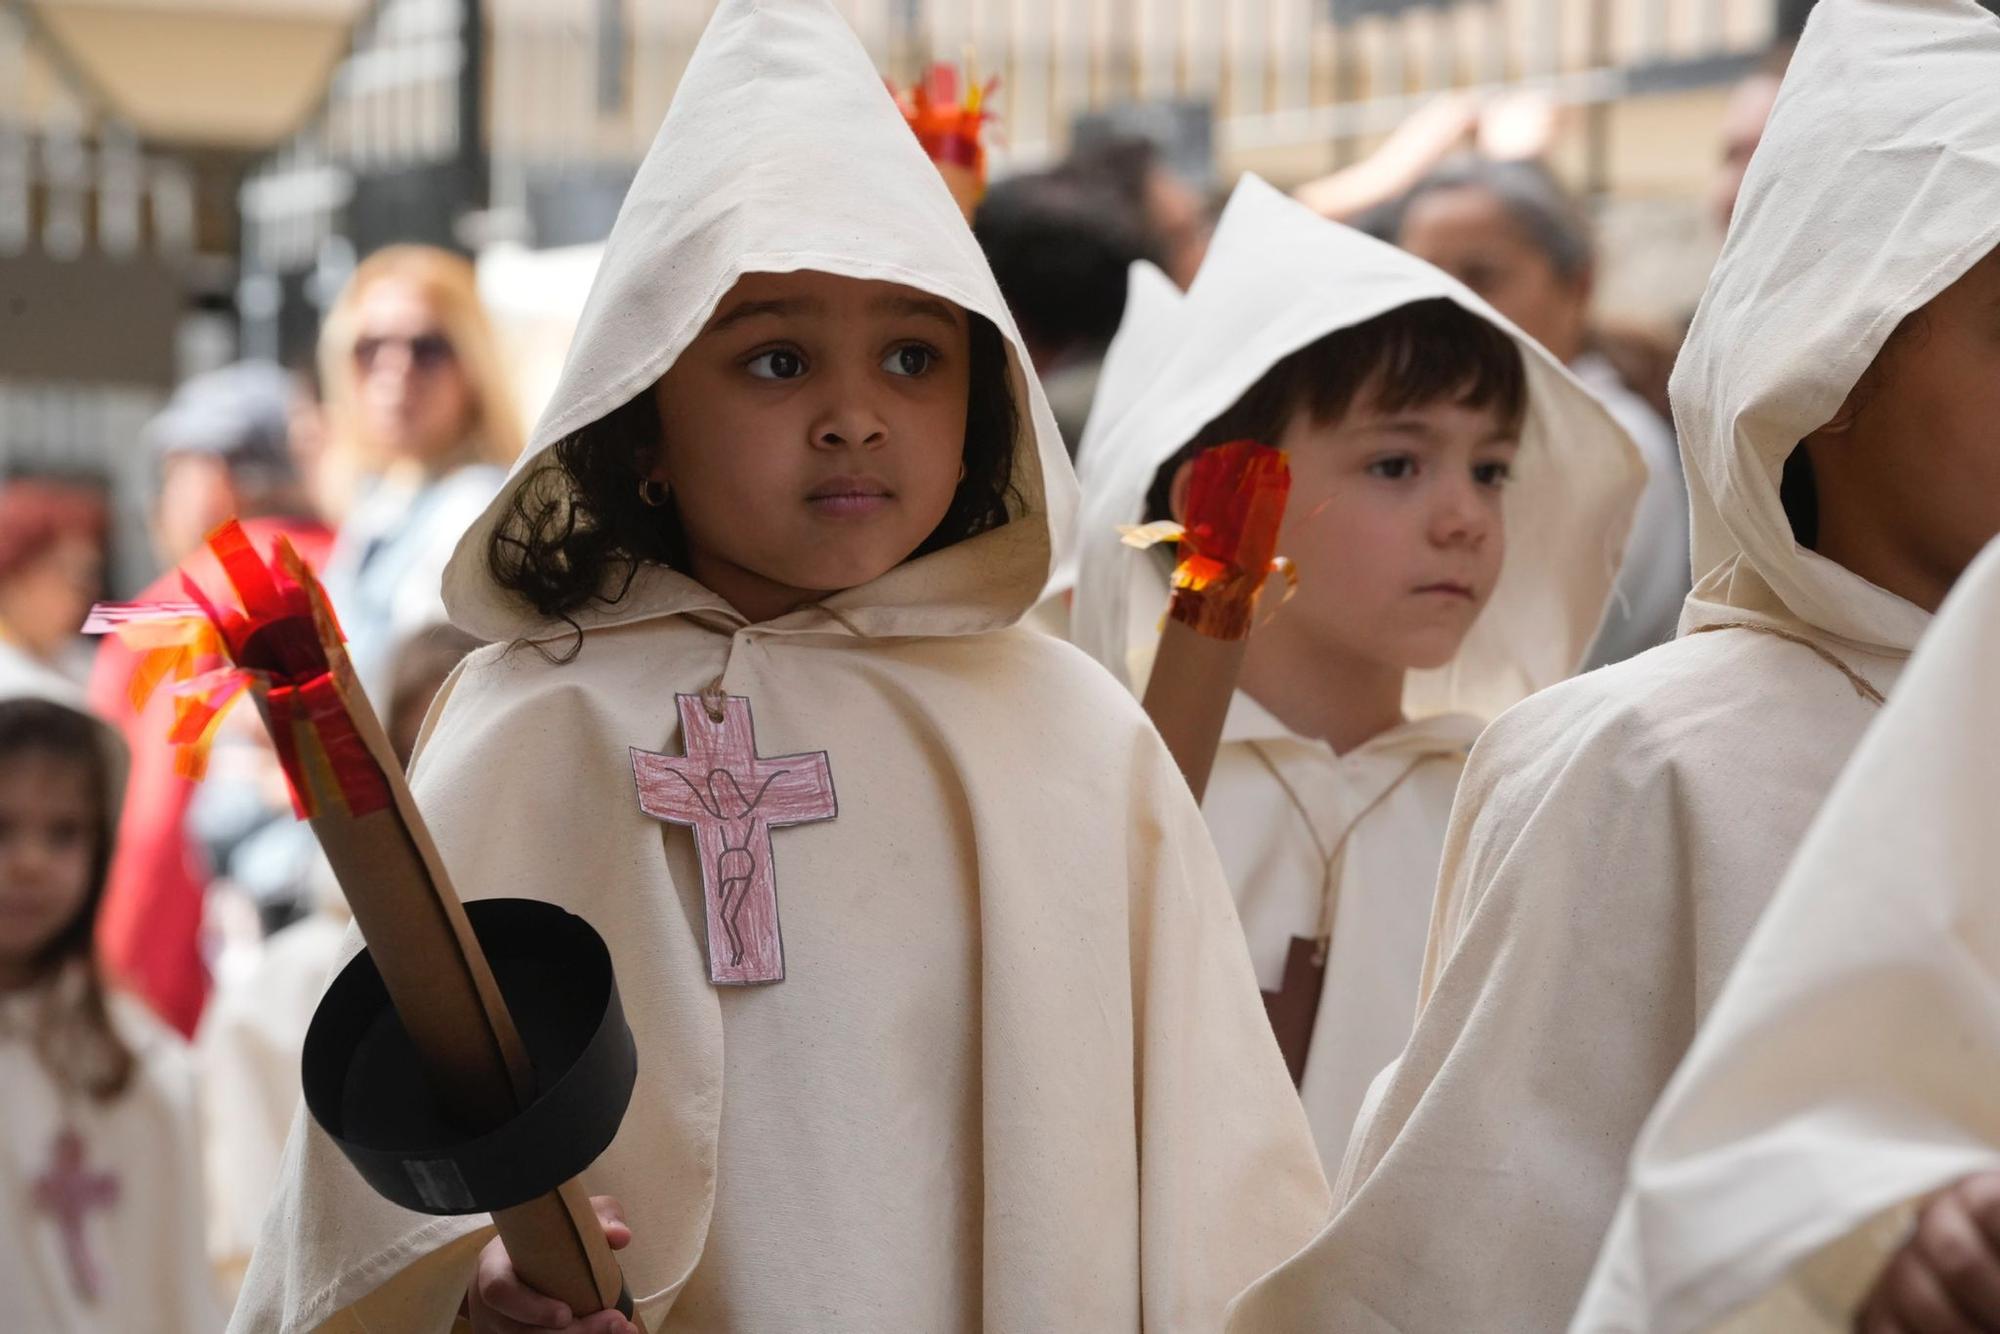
pixel 475 1058
pixel 1235 503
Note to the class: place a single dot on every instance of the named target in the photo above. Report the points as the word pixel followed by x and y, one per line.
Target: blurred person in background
pixel 1743 122
pixel 220 449
pixel 1366 195
pixel 1060 245
pixel 100 1190
pixel 52 536
pixel 223 449
pixel 1176 218
pixel 1510 232
pixel 415 396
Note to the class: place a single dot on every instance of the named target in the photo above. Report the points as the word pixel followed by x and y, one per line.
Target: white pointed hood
pixel 1132 361
pixel 1876 186
pixel 784 151
pixel 1277 278
pixel 1146 333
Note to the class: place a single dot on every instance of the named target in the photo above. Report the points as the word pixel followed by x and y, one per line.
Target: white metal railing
pixel 73 179
pixel 1277 72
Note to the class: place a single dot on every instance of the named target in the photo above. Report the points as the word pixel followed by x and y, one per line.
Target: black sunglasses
pixel 426 351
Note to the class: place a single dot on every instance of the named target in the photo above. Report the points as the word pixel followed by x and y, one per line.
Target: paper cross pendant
pixel 67 1193
pixel 732 800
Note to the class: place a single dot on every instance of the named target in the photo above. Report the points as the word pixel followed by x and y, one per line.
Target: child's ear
pixel 1177 493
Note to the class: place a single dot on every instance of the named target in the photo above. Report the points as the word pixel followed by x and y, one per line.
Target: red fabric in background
pixel 149 928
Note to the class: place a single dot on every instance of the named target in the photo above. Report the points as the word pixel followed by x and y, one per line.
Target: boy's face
pixel 47 810
pixel 1395 527
pixel 813 435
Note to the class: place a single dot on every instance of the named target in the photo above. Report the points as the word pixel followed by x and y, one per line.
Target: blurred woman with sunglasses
pixel 418 405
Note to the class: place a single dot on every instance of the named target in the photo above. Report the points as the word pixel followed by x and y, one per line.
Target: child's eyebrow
pixel 750 310
pixel 924 306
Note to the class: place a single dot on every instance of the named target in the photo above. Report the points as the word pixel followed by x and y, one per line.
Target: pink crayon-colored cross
pixel 68 1193
pixel 733 800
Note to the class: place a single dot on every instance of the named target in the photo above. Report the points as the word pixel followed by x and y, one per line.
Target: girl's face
pixel 48 812
pixel 1469 234
pixel 1395 527
pixel 414 396
pixel 813 435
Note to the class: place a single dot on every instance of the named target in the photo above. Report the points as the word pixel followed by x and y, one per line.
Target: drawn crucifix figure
pixel 733 799
pixel 68 1193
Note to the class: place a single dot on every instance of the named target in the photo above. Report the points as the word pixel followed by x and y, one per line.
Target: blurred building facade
pixel 184 179
pixel 126 127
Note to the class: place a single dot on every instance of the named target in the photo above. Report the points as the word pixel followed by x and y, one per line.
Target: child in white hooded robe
pixel 1617 836
pixel 1015 1076
pixel 100 1170
pixel 1454 552
pixel 1845 1073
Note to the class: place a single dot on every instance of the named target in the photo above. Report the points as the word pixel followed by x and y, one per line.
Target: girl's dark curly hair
pixel 576 530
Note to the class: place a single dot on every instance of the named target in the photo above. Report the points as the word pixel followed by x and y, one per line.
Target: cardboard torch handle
pixel 1187 697
pixel 443 988
pixel 1234 502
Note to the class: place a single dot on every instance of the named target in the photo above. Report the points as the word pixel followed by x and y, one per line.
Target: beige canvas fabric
pixel 145 1238
pixel 1616 837
pixel 1840 1075
pixel 1300 827
pixel 1017 1077
pixel 1277 278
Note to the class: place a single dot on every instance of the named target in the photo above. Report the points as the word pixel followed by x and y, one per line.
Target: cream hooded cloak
pixel 138 1180
pixel 1845 1069
pixel 1617 836
pixel 1841 1072
pixel 1301 829
pixel 1017 1077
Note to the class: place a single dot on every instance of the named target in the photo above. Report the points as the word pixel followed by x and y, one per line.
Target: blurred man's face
pixel 1179 220
pixel 196 494
pixel 1742 127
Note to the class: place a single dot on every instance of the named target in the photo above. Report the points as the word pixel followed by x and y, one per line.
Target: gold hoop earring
pixel 653 494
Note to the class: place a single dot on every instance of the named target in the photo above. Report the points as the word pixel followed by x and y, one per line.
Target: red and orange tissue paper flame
pixel 951 126
pixel 1228 546
pixel 277 634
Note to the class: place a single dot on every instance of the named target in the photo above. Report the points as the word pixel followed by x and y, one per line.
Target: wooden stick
pixel 1187 697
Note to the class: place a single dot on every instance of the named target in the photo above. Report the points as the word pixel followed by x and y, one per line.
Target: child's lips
pixel 1447 588
pixel 850 497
